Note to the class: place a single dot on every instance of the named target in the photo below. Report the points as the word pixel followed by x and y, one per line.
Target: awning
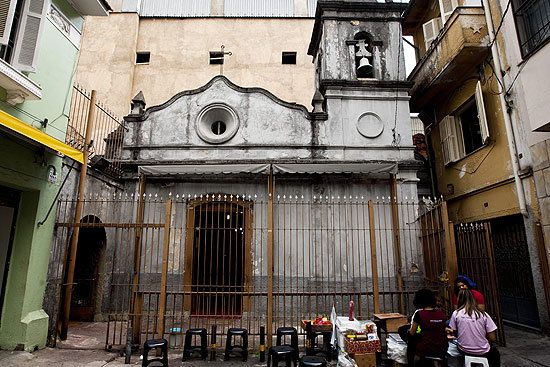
pixel 214 169
pixel 20 128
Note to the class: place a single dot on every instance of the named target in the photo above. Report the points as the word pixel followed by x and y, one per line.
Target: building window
pixel 466 130
pixel 21 24
pixel 143 57
pixel 532 23
pixel 289 58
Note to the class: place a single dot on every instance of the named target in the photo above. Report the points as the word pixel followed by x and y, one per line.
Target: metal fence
pixel 107 131
pixel 476 258
pixel 169 264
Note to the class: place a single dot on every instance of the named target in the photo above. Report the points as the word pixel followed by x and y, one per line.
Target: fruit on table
pixel 321 321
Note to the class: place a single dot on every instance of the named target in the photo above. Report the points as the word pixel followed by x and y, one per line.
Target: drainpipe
pixel 507 121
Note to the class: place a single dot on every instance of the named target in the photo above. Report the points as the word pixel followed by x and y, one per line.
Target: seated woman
pixel 428 329
pixel 463 282
pixel 475 330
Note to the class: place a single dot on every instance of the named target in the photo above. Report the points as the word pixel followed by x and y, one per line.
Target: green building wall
pixel 25 166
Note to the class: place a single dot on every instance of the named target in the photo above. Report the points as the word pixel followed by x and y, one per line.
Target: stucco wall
pixel 180 56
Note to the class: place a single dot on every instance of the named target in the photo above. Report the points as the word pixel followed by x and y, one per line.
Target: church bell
pixel 364 66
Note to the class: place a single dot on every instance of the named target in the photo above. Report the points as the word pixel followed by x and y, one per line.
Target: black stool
pixel 313 361
pixel 326 348
pixel 188 348
pixel 153 344
pixel 231 348
pixel 279 352
pixel 282 331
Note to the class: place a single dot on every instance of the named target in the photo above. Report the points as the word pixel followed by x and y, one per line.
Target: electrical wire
pixel 501 22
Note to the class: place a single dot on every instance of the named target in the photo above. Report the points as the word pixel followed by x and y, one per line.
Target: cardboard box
pixel 365 359
pixel 390 322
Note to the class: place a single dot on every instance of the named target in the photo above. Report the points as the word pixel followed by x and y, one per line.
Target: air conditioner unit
pixel 431 30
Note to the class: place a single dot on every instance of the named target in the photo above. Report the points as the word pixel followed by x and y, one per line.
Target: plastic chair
pixel 471 361
pixel 153 344
pixel 313 361
pixel 293 333
pixel 232 348
pixel 188 348
pixel 280 352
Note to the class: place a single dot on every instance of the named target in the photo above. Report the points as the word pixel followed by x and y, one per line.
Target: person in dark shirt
pixel 428 328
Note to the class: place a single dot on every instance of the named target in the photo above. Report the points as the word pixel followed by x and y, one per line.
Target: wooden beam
pixel 136 305
pixel 72 250
pixel 270 267
pixel 396 240
pixel 373 259
pixel 164 274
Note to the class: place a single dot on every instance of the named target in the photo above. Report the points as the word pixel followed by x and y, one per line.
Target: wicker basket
pixel 318 328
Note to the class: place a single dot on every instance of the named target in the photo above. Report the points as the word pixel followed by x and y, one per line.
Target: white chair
pixel 471 361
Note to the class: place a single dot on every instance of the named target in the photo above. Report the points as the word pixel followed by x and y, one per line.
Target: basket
pixel 317 328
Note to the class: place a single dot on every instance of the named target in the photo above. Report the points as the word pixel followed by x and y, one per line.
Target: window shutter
pixel 447 7
pixel 30 31
pixel 484 127
pixel 431 30
pixel 451 140
pixel 7 8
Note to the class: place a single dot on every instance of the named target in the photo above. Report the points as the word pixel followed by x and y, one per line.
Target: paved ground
pixel 524 349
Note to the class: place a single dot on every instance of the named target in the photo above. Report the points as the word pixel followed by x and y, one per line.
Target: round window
pixel 217 123
pixel 218 127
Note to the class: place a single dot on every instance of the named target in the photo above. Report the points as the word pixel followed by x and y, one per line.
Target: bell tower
pixel 360 75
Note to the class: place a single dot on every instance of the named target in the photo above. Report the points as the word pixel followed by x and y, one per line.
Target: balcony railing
pixel 107 133
pixel 456 52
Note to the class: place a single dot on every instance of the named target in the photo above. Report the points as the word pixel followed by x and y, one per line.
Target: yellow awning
pixel 30 132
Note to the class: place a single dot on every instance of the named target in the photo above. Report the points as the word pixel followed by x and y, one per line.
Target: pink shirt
pixel 472 331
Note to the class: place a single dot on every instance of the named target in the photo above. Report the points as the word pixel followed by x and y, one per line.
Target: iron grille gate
pixel 186 262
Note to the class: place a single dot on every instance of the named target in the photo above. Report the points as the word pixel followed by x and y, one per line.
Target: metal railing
pixel 245 261
pixel 107 133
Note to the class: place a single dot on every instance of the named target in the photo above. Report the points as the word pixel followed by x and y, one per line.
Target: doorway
pixel 9 203
pixel 217 254
pixel 516 287
pixel 90 250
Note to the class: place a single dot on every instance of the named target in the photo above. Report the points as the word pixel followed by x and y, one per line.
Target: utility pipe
pixel 507 121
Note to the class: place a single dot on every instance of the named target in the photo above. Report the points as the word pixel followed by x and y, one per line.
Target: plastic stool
pixel 154 344
pixel 231 348
pixel 470 361
pixel 313 361
pixel 188 348
pixel 282 332
pixel 326 349
pixel 279 352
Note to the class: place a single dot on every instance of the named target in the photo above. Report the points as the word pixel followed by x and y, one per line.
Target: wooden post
pixel 270 267
pixel 164 275
pixel 494 283
pixel 69 278
pixel 136 305
pixel 397 241
pixel 450 245
pixel 373 260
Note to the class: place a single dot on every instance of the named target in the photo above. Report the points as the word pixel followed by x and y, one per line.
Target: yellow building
pixel 480 156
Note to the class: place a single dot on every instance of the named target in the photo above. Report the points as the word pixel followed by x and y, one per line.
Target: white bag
pixel 453 350
pixel 397 350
